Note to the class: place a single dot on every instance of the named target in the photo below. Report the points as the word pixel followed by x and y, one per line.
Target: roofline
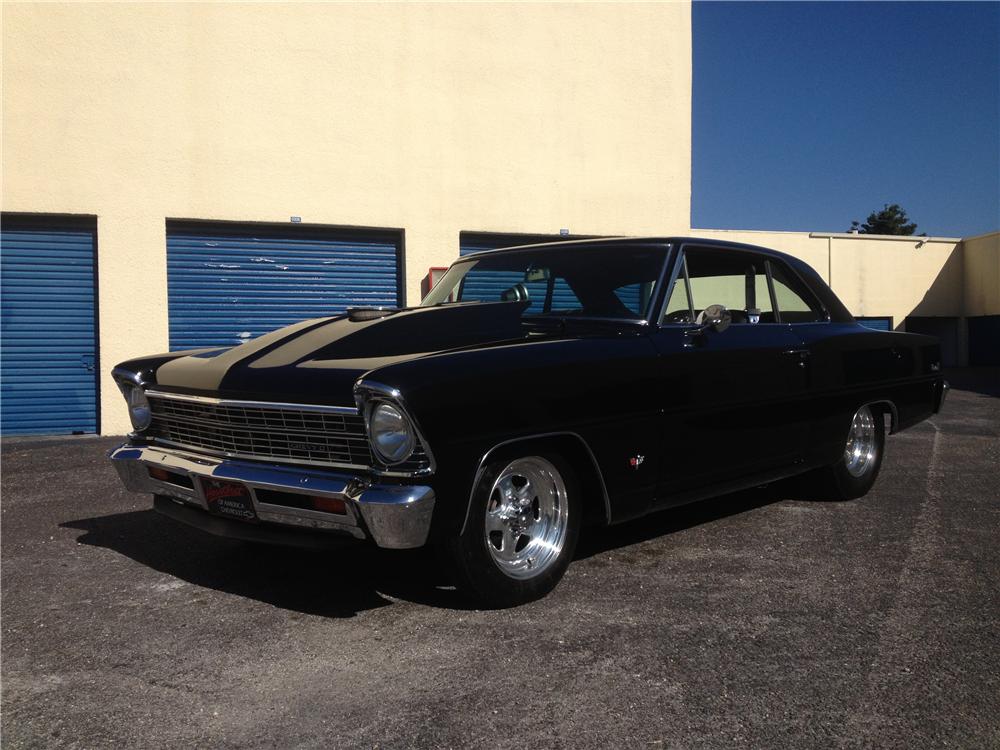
pixel 649 240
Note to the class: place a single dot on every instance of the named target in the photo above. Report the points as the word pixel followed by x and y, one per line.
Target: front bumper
pixel 393 516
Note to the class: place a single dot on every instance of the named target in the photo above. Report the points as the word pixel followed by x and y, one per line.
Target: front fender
pixel 600 389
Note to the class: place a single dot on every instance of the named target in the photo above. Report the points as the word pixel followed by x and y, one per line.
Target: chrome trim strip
pixel 364 390
pixel 253 457
pixel 668 290
pixel 254 404
pixel 540 436
pixel 599 319
pixel 395 516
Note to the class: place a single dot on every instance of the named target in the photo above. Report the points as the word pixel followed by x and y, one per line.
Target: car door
pixel 729 395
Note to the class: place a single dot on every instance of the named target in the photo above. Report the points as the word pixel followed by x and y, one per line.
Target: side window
pixel 735 279
pixel 563 298
pixel 796 304
pixel 678 305
pixel 635 296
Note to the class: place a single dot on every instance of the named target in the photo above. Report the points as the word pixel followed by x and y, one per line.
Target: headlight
pixel 391 433
pixel 138 406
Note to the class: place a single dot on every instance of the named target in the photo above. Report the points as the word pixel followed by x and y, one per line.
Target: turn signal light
pixel 161 474
pixel 329 505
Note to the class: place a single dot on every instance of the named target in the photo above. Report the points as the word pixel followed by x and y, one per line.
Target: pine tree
pixel 892 219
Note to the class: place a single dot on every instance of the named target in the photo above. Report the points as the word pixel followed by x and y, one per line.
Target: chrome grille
pixel 286 432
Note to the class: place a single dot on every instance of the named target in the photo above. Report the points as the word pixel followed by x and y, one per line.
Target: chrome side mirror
pixel 714 317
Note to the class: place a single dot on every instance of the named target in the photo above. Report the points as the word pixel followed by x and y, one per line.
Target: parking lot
pixel 761 619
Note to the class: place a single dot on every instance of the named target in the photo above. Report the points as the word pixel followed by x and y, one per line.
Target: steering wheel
pixel 677 316
pixel 517 293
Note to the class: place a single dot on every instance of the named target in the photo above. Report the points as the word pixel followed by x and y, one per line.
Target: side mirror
pixel 714 317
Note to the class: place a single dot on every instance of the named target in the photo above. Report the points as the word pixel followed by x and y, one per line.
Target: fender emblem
pixel 636 461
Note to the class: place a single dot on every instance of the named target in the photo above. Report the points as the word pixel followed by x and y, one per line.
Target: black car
pixel 534 390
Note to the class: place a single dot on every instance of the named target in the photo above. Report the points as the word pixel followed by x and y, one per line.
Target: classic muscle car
pixel 534 390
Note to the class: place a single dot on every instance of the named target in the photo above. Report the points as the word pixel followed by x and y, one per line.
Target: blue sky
pixel 809 115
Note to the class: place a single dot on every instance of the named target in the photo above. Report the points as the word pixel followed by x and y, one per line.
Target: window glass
pixel 490 285
pixel 563 299
pixel 763 298
pixel 614 281
pixel 635 296
pixel 678 308
pixel 736 280
pixel 795 302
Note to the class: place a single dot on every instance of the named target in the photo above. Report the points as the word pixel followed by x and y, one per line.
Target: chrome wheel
pixel 526 517
pixel 859 453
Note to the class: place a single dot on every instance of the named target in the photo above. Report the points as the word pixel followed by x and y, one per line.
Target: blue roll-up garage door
pixel 48 352
pixel 229 283
pixel 879 324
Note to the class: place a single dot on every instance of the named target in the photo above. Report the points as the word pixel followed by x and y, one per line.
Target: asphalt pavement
pixel 763 619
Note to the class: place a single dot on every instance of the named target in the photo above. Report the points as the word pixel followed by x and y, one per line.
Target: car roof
pixel 636 241
pixel 838 312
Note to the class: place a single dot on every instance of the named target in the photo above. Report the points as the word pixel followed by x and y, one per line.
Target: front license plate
pixel 229 499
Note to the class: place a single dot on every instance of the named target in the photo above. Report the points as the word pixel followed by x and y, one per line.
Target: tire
pixel 523 524
pixel 857 469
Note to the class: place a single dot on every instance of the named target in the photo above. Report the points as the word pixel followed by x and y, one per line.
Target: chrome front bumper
pixel 393 516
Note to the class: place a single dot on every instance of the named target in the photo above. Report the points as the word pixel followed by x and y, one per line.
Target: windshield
pixel 601 281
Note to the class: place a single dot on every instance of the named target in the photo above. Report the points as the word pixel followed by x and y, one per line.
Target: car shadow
pixel 344 582
pixel 594 541
pixel 340 582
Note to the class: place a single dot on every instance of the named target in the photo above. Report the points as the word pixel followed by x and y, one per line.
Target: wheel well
pixel 572 447
pixel 886 407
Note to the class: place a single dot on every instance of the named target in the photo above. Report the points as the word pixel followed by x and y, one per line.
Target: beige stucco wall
pixel 875 275
pixel 432 118
pixel 982 274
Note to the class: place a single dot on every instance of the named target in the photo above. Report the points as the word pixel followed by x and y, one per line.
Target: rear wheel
pixel 523 524
pixel 856 470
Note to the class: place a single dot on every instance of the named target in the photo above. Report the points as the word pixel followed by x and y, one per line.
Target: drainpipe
pixel 829 262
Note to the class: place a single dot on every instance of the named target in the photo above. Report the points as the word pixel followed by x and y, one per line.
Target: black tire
pixel 839 482
pixel 476 571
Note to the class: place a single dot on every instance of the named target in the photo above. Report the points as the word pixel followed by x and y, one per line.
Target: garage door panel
pixel 230 284
pixel 48 343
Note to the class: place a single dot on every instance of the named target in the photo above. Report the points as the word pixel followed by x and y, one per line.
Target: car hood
pixel 319 360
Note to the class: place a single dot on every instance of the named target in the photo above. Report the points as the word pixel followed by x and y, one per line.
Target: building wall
pixel 982 275
pixel 431 118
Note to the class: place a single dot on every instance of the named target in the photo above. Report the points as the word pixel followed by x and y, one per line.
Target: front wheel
pixel 521 532
pixel 856 470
